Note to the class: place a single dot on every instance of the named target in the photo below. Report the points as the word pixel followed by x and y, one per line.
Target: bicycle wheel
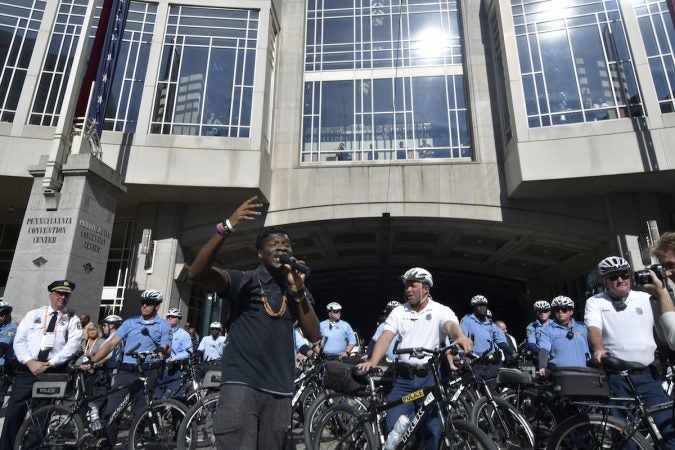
pixel 346 428
pixel 196 430
pixel 502 422
pixel 48 427
pixel 594 431
pixel 539 413
pixel 316 412
pixel 156 426
pixel 463 435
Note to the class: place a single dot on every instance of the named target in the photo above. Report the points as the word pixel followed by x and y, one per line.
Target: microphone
pixel 285 259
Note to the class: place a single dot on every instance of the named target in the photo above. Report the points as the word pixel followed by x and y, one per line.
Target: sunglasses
pixel 148 303
pixel 564 309
pixel 543 311
pixel 616 276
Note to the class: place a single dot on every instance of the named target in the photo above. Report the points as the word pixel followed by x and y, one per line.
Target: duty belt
pixel 410 371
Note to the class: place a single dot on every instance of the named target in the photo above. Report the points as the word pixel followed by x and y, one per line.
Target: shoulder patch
pixel 79 325
pixel 10 333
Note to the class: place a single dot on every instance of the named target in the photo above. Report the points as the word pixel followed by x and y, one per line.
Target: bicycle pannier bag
pixel 580 381
pixel 50 385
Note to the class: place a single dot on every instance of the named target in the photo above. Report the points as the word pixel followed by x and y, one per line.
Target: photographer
pixel 661 296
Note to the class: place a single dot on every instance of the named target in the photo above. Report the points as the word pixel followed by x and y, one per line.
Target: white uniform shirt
pixel 626 334
pixel 67 336
pixel 419 329
pixel 667 323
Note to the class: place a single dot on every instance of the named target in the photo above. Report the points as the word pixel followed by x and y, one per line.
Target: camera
pixel 642 277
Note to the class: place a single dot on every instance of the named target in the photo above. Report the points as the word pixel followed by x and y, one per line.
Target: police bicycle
pixel 594 426
pixel 74 422
pixel 345 427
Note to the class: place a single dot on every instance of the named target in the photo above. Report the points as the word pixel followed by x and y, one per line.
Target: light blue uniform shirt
pixel 130 332
pixel 532 331
pixel 337 335
pixel 7 333
pixel 481 333
pixel 180 344
pixel 563 351
pixel 390 350
pixel 299 339
pixel 212 348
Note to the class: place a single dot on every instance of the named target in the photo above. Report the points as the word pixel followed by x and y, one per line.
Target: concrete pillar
pixel 160 261
pixel 70 242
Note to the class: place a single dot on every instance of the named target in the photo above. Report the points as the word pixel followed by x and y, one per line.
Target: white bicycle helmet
pixel 478 300
pixel 418 274
pixel 333 306
pixel 542 305
pixel 175 312
pixel 216 325
pixel 612 264
pixel 5 307
pixel 562 301
pixel 393 304
pixel 113 318
pixel 152 296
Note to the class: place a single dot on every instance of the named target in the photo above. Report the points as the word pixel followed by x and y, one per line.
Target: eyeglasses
pixel 616 276
pixel 563 309
pixel 61 294
pixel 570 335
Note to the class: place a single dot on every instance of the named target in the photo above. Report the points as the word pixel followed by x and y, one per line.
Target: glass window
pixel 368 114
pixel 658 34
pixel 574 62
pixel 19 25
pixel 381 33
pixel 117 269
pixel 406 118
pixel 58 62
pixel 205 84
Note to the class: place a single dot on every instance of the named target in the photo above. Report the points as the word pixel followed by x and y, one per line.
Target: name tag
pixel 47 341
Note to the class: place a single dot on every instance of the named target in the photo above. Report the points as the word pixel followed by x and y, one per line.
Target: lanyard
pixel 44 322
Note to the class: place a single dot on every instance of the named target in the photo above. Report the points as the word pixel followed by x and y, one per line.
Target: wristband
pixel 300 298
pixel 295 289
pixel 224 228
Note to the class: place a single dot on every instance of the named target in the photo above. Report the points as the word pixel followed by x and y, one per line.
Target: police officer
pixel 620 323
pixel 181 348
pixel 389 355
pixel 486 337
pixel 104 373
pixel 147 332
pixel 564 342
pixel 7 333
pixel 542 309
pixel 45 340
pixel 420 322
pixel 338 335
pixel 211 347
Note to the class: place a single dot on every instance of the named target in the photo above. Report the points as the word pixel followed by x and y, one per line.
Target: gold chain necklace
pixel 268 309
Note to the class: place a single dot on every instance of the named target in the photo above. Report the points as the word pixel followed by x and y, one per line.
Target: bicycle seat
pixel 615 364
pixel 513 377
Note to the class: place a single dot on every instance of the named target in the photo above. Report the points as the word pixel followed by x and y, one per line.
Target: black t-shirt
pixel 260 350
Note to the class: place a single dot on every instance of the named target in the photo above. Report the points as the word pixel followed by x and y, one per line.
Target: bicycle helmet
pixel 5 307
pixel 542 305
pixel 113 318
pixel 562 301
pixel 334 306
pixel 418 274
pixel 612 264
pixel 216 325
pixel 152 296
pixel 393 304
pixel 477 300
pixel 175 312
